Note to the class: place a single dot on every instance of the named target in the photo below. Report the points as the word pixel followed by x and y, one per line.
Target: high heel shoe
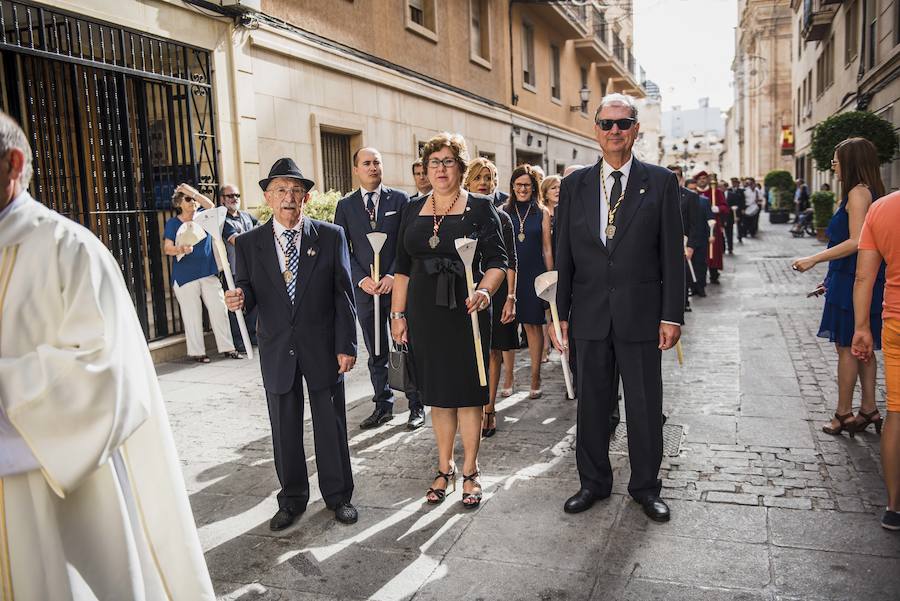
pixel 441 493
pixel 488 432
pixel 535 393
pixel 471 500
pixel 506 392
pixel 867 418
pixel 845 422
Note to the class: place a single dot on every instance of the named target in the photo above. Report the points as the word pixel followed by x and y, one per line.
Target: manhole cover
pixel 672 435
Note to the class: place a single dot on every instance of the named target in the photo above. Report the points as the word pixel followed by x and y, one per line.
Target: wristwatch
pixel 511 297
pixel 485 292
pixel 398 315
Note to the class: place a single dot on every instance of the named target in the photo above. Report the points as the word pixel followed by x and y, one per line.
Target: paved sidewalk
pixel 764 505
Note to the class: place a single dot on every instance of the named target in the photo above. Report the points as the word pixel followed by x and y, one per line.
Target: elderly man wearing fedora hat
pixel 296 272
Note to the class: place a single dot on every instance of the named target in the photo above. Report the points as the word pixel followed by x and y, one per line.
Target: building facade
pixel 762 87
pixel 694 138
pixel 845 57
pixel 124 99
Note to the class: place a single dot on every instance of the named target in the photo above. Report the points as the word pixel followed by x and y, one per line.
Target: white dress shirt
pixel 610 182
pixel 280 241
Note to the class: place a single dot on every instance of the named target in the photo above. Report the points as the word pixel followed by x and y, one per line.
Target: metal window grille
pixel 116 119
pixel 336 159
pixel 417 12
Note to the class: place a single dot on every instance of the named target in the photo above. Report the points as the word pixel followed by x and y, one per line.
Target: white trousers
pixel 189 295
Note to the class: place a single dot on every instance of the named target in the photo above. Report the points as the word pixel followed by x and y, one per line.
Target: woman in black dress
pixel 481 177
pixel 430 307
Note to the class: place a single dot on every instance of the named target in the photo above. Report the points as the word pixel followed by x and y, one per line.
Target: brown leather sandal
pixel 845 422
pixel 860 425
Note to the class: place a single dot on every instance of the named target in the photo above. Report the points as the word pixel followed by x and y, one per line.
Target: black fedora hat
pixel 286 168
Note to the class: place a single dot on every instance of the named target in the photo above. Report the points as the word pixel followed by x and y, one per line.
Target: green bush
pixel 823 207
pixel 321 205
pixel 862 124
pixel 781 200
pixel 780 179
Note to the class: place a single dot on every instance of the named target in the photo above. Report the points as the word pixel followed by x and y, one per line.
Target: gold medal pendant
pixel 434 241
pixel 521 236
pixel 287 275
pixel 372 223
pixel 610 231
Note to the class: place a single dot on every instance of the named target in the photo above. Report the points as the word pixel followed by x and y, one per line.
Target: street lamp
pixel 584 94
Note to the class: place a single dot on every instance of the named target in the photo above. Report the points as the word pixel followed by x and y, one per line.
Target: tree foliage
pixel 780 179
pixel 823 207
pixel 861 124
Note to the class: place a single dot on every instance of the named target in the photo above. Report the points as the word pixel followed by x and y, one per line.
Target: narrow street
pixel 764 505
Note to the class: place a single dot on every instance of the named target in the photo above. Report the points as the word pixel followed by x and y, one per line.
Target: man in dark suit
pixel 374 207
pixel 420 175
pixel 735 199
pixel 694 227
pixel 699 259
pixel 296 271
pixel 620 258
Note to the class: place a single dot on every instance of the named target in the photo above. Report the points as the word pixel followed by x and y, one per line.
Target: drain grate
pixel 672 435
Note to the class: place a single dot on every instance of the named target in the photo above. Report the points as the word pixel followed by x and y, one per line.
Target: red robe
pixel 715 259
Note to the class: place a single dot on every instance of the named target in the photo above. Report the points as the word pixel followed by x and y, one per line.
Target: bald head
pixel 572 169
pixel 367 167
pixel 15 160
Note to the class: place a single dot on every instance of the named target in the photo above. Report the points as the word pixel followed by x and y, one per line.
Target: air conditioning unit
pixel 243 6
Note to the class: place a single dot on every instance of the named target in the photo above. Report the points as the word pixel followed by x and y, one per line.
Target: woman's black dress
pixel 504 336
pixel 439 328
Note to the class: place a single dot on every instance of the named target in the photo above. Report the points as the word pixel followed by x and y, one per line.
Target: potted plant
pixel 780 185
pixel 863 124
pixel 823 208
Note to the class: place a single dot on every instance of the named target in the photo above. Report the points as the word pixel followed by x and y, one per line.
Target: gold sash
pixel 7 262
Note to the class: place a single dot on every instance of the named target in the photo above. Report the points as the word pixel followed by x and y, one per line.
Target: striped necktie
pixel 293 261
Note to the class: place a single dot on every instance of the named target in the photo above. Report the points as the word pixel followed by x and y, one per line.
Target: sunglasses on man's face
pixel 623 124
pixel 236 196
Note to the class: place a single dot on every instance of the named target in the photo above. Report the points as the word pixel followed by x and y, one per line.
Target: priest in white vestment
pixel 92 499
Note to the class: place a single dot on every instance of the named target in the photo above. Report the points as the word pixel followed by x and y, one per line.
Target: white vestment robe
pixel 106 515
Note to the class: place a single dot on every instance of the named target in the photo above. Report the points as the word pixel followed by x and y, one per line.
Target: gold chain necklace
pixel 611 215
pixel 522 221
pixel 287 274
pixel 435 239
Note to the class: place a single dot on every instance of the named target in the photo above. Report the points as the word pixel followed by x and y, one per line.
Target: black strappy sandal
pixel 488 432
pixel 441 493
pixel 845 422
pixel 471 500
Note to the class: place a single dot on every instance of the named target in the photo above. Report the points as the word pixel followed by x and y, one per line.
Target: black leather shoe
pixel 283 519
pixel 582 500
pixel 700 293
pixel 416 419
pixel 346 513
pixel 655 508
pixel 378 417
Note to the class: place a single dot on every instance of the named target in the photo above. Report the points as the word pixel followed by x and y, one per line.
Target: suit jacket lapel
pixel 309 254
pixel 384 203
pixel 358 211
pixel 270 261
pixel 634 196
pixel 590 202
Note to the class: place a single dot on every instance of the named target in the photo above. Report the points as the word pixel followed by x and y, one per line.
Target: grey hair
pixel 12 136
pixel 617 99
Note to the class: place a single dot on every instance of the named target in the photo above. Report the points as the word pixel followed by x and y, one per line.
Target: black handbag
pixel 400 372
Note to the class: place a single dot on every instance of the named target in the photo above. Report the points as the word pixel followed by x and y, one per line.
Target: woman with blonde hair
pixel 855 164
pixel 430 307
pixel 481 177
pixel 550 193
pixel 534 255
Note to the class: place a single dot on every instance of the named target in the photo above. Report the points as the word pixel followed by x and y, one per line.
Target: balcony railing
pixel 817 18
pixel 618 48
pixel 599 26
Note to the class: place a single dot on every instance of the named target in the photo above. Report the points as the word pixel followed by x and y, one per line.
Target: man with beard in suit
pixel 620 295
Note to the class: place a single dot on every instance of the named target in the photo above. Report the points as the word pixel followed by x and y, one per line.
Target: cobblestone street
pixel 764 505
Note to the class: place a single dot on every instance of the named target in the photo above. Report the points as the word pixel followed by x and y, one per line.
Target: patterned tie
pixel 370 207
pixel 293 261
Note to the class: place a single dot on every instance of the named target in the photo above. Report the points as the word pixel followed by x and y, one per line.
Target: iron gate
pixel 116 119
